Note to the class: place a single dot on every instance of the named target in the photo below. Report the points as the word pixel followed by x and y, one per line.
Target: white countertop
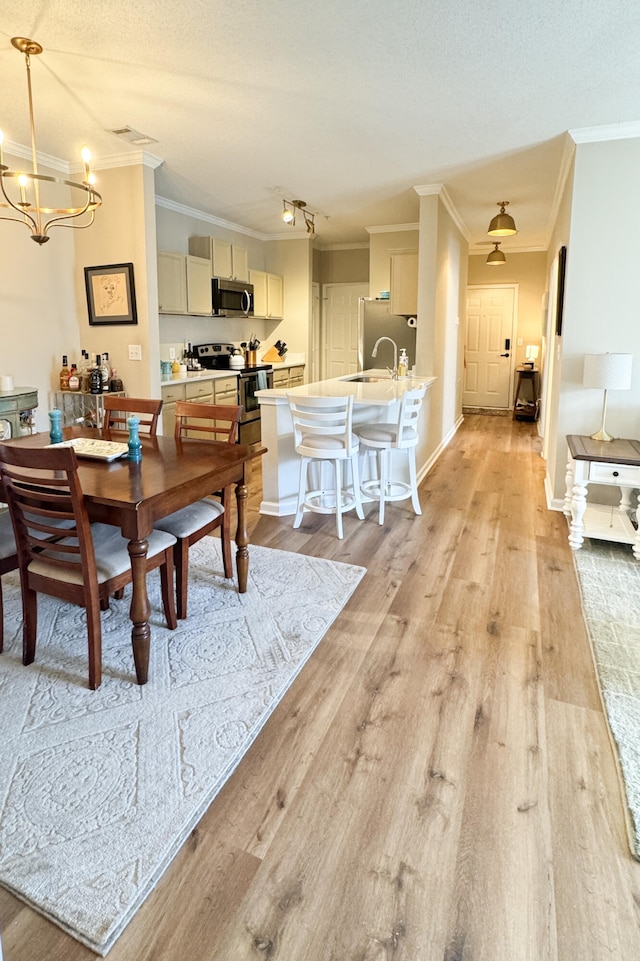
pixel 381 392
pixel 170 379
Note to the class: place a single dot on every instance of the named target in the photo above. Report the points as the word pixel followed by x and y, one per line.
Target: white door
pixel 340 317
pixel 489 347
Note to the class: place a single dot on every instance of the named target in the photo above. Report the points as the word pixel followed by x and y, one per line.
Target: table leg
pixel 242 537
pixel 140 608
pixel 578 507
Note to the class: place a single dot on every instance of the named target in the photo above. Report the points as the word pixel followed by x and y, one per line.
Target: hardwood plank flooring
pixel 438 784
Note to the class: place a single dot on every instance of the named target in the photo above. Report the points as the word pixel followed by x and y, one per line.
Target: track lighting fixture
pixel 289 214
pixel 503 224
pixel 496 257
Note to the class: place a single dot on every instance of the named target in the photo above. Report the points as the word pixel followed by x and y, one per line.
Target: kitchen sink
pixel 367 379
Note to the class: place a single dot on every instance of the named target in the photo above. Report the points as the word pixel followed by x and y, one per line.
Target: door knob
pixel 505 355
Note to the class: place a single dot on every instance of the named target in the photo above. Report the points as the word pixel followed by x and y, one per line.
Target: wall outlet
pixel 172 353
pixel 135 352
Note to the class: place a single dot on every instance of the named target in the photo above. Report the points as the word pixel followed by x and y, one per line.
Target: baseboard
pixel 424 470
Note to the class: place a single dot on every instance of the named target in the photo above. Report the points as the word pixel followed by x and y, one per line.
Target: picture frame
pixel 111 295
pixel 562 266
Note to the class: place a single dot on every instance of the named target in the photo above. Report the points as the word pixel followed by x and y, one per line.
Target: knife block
pixel 272 356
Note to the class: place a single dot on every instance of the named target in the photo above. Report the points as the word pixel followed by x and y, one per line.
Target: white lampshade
pixel 531 352
pixel 607 371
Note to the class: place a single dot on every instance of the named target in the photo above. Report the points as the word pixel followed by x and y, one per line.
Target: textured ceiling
pixel 347 105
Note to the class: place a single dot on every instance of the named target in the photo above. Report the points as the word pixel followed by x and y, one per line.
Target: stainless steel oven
pixel 250 379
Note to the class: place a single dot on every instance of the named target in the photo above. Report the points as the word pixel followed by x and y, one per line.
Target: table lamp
pixel 531 353
pixel 606 372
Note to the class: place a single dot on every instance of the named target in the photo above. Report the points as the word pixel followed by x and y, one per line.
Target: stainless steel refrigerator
pixel 375 320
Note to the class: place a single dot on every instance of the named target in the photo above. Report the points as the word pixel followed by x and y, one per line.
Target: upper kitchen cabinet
pixel 184 284
pixel 198 285
pixel 172 283
pixel 227 260
pixel 404 282
pixel 268 294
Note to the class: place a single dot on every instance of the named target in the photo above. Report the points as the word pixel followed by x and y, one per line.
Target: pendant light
pixel 36 197
pixel 503 224
pixel 496 257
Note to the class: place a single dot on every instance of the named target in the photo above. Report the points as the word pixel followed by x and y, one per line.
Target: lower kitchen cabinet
pixel 219 390
pixel 287 377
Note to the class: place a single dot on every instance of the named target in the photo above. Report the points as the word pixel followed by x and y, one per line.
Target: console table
pixel 16 411
pixel 612 463
pixel 526 399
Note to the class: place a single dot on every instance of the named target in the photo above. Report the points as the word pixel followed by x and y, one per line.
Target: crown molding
pixel 429 190
pixel 179 208
pixel 361 245
pixel 391 228
pixel 611 131
pixel 128 159
pixel 44 159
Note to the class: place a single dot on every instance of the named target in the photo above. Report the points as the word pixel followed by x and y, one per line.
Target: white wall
pixel 38 311
pixel 600 309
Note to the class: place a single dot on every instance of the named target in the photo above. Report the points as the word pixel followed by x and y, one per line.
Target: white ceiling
pixel 347 104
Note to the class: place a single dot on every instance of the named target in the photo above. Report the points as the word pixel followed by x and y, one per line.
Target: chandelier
pixel 289 214
pixel 27 192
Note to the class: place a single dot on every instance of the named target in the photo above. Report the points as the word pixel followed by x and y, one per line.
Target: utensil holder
pixel 252 358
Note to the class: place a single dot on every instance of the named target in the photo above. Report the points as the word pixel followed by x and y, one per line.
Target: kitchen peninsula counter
pixel 376 400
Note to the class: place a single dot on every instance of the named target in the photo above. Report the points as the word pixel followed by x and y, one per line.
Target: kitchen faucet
pixel 374 353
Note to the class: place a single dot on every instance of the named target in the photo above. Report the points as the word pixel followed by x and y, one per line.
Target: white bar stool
pixel 380 439
pixel 322 432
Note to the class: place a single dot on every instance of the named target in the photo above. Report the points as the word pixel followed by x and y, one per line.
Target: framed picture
pixel 562 266
pixel 111 294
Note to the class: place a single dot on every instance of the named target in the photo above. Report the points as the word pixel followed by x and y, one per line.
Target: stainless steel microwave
pixel 231 298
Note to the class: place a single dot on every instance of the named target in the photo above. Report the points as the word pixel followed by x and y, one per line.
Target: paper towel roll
pixel 6 382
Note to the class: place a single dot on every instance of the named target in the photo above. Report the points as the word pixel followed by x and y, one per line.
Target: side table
pixel 526 399
pixel 612 463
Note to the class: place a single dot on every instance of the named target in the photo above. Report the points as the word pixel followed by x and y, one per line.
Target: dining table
pixel 133 494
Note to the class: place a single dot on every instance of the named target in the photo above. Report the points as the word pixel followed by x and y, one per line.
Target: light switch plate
pixel 135 352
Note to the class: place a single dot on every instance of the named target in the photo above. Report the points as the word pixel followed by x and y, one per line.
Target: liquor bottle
pixel 74 378
pixel 105 373
pixel 64 373
pixel 95 377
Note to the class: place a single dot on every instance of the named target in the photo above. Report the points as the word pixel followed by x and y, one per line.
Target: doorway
pixel 340 328
pixel 489 346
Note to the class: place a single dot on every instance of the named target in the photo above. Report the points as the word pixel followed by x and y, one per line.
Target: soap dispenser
pixel 403 363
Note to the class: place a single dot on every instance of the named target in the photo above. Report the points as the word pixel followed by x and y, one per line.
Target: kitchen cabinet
pixel 286 377
pixel 198 286
pixel 268 294
pixel 172 283
pixel 170 394
pixel 218 390
pixel 404 283
pixel 225 259
pixel 184 284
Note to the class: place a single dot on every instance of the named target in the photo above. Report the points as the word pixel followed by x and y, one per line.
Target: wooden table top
pixel 618 451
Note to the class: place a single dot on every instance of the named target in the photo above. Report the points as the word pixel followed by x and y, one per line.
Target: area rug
pixel 609 578
pixel 98 790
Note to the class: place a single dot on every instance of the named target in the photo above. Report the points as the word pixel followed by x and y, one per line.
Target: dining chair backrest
pixel 322 425
pixel 408 415
pixel 118 409
pixel 42 489
pixel 212 421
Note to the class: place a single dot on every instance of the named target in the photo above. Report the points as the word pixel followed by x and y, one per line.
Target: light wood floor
pixel 438 784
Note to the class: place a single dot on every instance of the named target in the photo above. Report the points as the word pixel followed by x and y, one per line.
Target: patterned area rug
pixel 98 790
pixel 609 579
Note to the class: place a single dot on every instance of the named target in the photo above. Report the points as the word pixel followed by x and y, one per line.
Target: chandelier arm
pixel 25 217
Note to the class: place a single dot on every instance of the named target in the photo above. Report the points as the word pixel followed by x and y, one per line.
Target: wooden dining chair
pixel 8 560
pixel 83 563
pixel 117 409
pixel 188 525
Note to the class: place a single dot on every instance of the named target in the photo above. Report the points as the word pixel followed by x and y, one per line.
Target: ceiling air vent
pixel 133 136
